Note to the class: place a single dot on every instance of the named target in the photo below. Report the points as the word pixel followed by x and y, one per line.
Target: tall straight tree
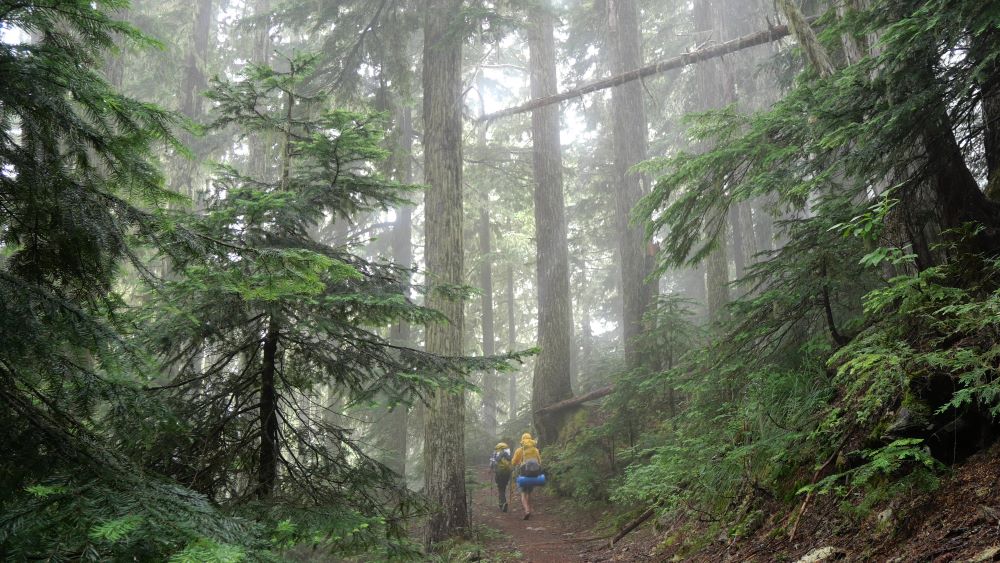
pixel 489 329
pixel 194 82
pixel 551 383
pixel 402 254
pixel 511 343
pixel 629 136
pixel 714 88
pixel 444 424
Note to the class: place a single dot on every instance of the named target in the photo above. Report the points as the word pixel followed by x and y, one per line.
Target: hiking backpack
pixel 531 468
pixel 503 463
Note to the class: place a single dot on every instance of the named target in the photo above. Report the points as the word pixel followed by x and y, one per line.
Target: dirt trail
pixel 549 536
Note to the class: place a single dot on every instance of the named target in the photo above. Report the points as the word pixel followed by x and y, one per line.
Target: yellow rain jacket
pixel 527 451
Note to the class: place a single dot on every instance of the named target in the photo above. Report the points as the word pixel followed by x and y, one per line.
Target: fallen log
pixel 634 524
pixel 771 34
pixel 562 405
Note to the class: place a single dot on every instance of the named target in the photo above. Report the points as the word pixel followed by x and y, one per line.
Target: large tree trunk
pixel 260 144
pixel 444 425
pixel 854 50
pixel 194 82
pixel 551 382
pixel 489 333
pixel 629 135
pixel 990 96
pixel 715 89
pixel 267 464
pixel 957 195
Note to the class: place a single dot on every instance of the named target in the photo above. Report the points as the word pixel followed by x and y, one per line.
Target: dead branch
pixel 634 524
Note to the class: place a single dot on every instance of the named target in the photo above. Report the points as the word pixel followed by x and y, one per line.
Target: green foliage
pixel 880 463
pixel 471 547
pixel 858 318
pixel 108 407
pixel 716 451
pixel 81 190
pixel 135 516
pixel 114 530
pixel 207 551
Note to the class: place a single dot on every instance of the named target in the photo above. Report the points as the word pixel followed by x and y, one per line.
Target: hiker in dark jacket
pixel 500 464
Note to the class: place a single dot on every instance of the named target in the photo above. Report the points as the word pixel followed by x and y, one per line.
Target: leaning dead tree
pixel 575 401
pixel 771 34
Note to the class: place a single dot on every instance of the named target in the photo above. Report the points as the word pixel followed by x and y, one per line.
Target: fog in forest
pixel 322 280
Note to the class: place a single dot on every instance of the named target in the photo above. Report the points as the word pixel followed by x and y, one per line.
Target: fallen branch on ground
pixel 633 524
pixel 805 503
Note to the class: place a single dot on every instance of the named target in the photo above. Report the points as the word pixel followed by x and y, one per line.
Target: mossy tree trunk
pixel 444 424
pixel 629 135
pixel 552 379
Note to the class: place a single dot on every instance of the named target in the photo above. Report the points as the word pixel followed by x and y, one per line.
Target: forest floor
pixel 557 532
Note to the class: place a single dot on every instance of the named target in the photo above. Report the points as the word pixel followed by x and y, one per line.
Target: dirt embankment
pixel 960 521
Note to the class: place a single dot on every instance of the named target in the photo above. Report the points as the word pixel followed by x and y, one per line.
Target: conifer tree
pixel 260 328
pixel 79 193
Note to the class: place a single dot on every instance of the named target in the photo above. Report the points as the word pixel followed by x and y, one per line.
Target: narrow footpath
pixel 550 536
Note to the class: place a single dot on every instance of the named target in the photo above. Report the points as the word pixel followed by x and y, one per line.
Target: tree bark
pixel 444 425
pixel 854 50
pixel 629 138
pixel 715 89
pixel 260 144
pixel 267 464
pixel 815 52
pixel 990 99
pixel 646 515
pixel 511 342
pixel 717 282
pixel 194 81
pixel 551 382
pixel 763 226
pixel 402 254
pixel 489 332
pixel 751 246
pixel 957 194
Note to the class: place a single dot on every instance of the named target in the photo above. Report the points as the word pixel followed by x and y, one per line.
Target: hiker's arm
pixel 517 457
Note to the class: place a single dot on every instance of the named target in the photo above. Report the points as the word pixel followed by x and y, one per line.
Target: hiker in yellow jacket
pixel 528 461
